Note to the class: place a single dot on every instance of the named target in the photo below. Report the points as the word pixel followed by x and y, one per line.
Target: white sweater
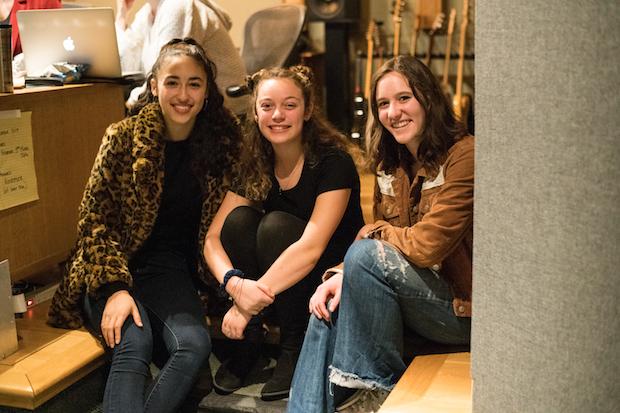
pixel 204 21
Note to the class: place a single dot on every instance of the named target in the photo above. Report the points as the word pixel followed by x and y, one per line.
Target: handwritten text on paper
pixel 18 181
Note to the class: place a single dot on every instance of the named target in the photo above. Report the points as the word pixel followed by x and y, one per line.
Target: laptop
pixel 73 35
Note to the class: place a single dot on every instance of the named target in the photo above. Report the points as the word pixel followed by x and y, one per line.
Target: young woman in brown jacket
pixel 412 266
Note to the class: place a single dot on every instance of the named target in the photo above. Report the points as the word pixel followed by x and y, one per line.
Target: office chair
pixel 269 38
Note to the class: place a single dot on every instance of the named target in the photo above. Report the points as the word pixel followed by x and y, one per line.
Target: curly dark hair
pixel 216 136
pixel 441 128
pixel 318 135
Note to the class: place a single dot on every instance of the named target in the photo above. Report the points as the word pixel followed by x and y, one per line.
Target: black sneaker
pixel 279 384
pixel 225 381
pixel 232 373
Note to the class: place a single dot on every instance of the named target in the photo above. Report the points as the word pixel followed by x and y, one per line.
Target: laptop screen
pixel 74 35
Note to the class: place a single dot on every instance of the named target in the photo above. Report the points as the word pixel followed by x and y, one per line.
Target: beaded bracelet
pixel 229 274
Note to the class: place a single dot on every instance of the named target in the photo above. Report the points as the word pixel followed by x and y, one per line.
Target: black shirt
pixel 333 170
pixel 178 219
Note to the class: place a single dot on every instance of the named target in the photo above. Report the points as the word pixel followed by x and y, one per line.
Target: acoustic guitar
pixel 399 6
pixel 445 84
pixel 461 103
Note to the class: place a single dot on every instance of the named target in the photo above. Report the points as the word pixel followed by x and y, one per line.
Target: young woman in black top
pixel 292 215
pixel 157 180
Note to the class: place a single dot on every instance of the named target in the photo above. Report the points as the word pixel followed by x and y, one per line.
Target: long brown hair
pixel 216 137
pixel 441 127
pixel 318 135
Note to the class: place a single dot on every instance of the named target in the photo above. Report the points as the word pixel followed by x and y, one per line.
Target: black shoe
pixel 226 382
pixel 279 385
pixel 232 373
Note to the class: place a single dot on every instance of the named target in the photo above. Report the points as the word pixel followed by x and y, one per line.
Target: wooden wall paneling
pixel 67 126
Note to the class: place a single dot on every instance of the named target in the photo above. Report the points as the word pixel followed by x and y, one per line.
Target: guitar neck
pixel 446 62
pixel 368 74
pixel 462 36
pixel 431 41
pixel 399 5
pixel 397 23
pixel 369 58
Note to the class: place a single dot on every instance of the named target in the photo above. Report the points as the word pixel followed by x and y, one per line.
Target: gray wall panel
pixel 546 328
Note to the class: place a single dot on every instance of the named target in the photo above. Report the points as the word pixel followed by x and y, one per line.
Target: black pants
pixel 253 241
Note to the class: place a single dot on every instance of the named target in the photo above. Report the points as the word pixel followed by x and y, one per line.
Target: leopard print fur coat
pixel 121 201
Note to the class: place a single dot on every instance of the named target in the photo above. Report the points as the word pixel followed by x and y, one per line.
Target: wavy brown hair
pixel 318 135
pixel 216 136
pixel 441 127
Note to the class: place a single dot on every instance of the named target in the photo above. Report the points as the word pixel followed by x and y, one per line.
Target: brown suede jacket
pixel 433 228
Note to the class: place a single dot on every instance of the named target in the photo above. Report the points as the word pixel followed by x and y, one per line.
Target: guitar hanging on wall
pixel 445 84
pixel 461 103
pixel 437 24
pixel 360 100
pixel 371 34
pixel 399 6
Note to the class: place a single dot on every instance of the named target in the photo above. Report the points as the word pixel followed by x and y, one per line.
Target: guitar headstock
pixel 451 21
pixel 398 6
pixel 437 23
pixel 376 34
pixel 465 14
pixel 371 30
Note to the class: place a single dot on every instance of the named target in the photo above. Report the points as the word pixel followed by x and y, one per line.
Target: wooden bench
pixel 433 383
pixel 47 361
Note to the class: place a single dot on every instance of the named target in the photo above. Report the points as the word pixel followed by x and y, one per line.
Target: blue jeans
pixel 361 347
pixel 173 321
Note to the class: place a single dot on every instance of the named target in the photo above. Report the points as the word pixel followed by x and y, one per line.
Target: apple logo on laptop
pixel 68 44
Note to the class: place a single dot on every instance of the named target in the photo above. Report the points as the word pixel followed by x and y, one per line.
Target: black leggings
pixel 253 241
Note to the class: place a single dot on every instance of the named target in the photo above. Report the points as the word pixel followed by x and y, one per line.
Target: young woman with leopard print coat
pixel 156 184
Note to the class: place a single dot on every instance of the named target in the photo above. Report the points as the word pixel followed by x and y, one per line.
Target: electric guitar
pixel 461 103
pixel 399 6
pixel 445 84
pixel 436 26
pixel 371 34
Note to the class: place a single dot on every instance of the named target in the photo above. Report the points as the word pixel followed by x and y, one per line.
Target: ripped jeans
pixel 362 346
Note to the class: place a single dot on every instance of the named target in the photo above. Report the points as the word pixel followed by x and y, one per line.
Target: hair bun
pixel 304 72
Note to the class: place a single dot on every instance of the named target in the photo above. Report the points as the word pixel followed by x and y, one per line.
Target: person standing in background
pixel 159 21
pixel 8 15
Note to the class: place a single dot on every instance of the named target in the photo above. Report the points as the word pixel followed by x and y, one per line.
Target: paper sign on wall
pixel 18 180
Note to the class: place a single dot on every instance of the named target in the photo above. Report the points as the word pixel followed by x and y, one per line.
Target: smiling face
pixel 180 88
pixel 280 110
pixel 399 111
